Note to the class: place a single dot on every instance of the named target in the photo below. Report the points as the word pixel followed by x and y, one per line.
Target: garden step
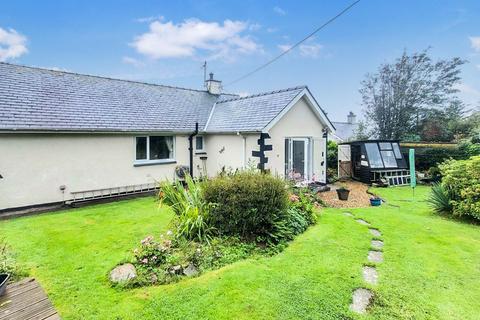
pixel 361 300
pixel 375 256
pixel 348 214
pixel 370 275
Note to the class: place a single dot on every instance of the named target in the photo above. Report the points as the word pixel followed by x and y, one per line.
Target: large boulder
pixel 123 273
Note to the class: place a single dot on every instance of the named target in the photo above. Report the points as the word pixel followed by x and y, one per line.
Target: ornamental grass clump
pixel 191 210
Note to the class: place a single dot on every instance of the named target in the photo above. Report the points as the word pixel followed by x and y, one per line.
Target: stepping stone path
pixel 361 300
pixel 375 256
pixel 370 275
pixel 375 232
pixel 365 223
pixel 377 244
pixel 363 297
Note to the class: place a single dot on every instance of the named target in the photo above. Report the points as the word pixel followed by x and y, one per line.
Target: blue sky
pixel 166 42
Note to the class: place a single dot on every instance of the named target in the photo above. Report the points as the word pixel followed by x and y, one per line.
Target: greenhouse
pixel 373 161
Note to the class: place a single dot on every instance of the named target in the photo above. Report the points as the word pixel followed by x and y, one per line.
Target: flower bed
pixel 221 221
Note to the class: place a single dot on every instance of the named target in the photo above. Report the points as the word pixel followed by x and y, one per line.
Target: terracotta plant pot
pixel 343 194
pixel 3 282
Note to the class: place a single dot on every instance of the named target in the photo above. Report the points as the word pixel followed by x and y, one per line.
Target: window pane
pixel 389 159
pixel 141 148
pixel 199 143
pixel 396 149
pixel 373 154
pixel 385 146
pixel 161 148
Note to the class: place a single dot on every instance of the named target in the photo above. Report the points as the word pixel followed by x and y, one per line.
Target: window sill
pixel 200 152
pixel 153 162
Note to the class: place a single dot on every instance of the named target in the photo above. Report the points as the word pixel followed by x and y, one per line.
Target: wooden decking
pixel 26 300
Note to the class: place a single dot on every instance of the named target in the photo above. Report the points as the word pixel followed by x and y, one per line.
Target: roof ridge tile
pixel 263 94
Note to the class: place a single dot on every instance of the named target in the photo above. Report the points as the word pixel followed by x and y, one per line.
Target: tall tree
pixel 398 97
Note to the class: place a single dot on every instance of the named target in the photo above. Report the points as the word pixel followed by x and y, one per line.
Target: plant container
pixel 3 282
pixel 375 202
pixel 343 194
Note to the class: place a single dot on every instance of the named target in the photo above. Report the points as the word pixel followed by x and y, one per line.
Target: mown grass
pixel 431 267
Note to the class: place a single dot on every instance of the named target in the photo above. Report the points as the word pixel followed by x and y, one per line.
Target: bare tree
pixel 396 98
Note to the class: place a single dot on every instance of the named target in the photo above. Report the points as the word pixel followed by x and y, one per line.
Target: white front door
pixel 297 157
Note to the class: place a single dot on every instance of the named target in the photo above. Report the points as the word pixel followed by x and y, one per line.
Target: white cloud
pixel 475 43
pixel 187 39
pixel 311 50
pixel 279 11
pixel 284 47
pixel 272 30
pixel 149 19
pixel 478 66
pixel 134 62
pixel 254 27
pixel 12 44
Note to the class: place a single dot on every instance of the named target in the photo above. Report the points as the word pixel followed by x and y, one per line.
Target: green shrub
pixel 247 204
pixel 440 199
pixel 190 207
pixel 7 261
pixel 462 179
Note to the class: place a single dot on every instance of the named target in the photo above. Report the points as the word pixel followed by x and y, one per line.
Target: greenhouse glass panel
pixel 385 146
pixel 389 159
pixel 396 149
pixel 374 155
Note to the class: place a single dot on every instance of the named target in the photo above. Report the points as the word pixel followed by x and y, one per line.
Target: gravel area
pixel 358 196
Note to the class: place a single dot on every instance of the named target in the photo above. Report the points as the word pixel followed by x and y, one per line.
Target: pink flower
pixel 144 260
pixel 154 258
pixel 147 240
pixel 293 198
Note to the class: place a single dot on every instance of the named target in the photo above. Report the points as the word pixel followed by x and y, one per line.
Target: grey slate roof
pixel 345 130
pixel 34 99
pixel 39 99
pixel 250 113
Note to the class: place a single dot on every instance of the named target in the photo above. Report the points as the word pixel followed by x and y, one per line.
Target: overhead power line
pixel 338 15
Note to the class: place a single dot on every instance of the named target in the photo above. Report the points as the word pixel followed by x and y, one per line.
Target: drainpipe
pixel 325 135
pixel 244 153
pixel 190 148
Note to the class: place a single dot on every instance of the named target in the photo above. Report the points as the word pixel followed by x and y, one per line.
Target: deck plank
pixel 26 300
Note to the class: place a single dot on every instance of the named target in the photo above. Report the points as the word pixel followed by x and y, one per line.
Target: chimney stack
pixel 351 118
pixel 213 86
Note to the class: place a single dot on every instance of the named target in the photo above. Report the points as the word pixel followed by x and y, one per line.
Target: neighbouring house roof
pixel 34 99
pixel 345 131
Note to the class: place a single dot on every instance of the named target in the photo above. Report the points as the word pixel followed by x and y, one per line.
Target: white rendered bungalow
pixel 66 137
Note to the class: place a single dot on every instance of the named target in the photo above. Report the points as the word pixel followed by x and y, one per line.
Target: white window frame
pixel 203 144
pixel 158 161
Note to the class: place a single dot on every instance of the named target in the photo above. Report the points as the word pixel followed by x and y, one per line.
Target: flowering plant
pixel 151 252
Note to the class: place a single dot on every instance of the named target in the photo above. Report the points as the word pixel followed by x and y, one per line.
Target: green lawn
pixel 431 268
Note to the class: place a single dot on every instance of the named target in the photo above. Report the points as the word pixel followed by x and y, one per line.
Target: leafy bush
pixel 440 199
pixel 189 205
pixel 462 179
pixel 247 204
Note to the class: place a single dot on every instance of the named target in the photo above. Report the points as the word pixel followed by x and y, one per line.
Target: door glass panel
pixel 298 157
